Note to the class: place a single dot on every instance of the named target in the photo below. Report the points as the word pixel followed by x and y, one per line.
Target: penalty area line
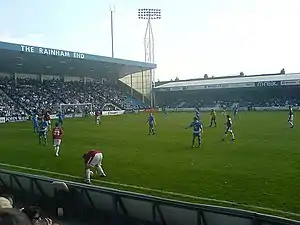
pixel 157 191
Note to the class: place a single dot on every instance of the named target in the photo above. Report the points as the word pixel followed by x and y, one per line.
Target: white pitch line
pixel 159 191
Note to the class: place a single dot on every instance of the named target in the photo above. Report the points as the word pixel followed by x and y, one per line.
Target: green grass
pixel 261 168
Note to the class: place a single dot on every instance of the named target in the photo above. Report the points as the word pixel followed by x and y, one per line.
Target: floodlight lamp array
pixel 152 14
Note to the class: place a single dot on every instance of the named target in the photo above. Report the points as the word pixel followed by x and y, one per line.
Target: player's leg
pixel 40 137
pixel 215 122
pixel 45 138
pixel 211 122
pixel 225 134
pixel 87 174
pixel 199 140
pixel 193 140
pixel 291 122
pixel 232 134
pixel 100 171
pixel 153 130
pixel 56 144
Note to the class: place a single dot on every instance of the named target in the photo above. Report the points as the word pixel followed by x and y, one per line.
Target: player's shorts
pixel 196 134
pixel 228 129
pixel 56 142
pixel 43 133
pixel 151 125
pixel 96 160
pixel 291 118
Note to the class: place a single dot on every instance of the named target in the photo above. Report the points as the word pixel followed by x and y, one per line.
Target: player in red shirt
pixel 97 117
pixel 92 159
pixel 48 120
pixel 57 133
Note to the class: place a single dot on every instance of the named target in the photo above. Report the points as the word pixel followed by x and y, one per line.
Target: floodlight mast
pixel 149 14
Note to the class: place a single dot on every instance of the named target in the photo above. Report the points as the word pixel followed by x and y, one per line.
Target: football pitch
pixel 261 168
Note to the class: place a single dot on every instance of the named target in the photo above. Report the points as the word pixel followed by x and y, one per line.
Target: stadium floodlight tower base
pixel 149 15
pixel 75 108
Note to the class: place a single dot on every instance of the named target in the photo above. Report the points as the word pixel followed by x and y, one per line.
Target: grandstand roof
pixel 235 80
pixel 26 59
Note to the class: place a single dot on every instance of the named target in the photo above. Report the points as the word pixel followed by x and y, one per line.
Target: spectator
pixel 13 217
pixel 5 203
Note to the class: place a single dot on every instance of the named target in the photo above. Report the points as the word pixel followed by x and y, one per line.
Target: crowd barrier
pixel 122 204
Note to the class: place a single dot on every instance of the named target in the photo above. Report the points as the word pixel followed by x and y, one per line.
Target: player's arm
pixel 154 121
pixel 189 126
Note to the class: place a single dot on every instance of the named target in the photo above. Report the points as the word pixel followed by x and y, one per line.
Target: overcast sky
pixel 194 37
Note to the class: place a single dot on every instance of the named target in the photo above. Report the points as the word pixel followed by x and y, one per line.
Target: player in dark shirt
pixel 291 117
pixel 228 129
pixel 213 119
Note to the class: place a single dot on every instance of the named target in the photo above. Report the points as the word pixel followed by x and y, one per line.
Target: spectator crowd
pixel 21 96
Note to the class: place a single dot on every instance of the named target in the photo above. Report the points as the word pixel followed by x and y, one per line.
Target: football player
pixel 152 123
pixel 291 117
pixel 97 117
pixel 92 159
pixel 197 131
pixel 57 133
pixel 213 118
pixel 48 119
pixel 228 129
pixel 43 127
pixel 235 112
pixel 60 118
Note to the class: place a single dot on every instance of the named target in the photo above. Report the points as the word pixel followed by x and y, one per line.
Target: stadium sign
pixel 268 84
pixel 16 118
pixel 290 82
pixel 52 52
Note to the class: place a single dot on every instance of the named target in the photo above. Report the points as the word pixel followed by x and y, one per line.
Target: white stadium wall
pixel 24 76
pixel 51 77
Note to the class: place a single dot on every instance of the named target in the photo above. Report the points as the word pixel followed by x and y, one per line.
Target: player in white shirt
pixel 291 117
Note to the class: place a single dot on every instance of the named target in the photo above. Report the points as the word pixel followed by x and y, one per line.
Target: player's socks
pixel 88 174
pixel 57 150
pixel 233 137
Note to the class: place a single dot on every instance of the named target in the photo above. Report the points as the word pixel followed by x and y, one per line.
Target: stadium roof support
pixel 19 58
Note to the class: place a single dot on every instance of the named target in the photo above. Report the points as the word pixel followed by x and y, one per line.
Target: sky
pixel 193 37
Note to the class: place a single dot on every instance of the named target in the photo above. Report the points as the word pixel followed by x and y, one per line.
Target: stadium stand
pixel 251 91
pixel 24 87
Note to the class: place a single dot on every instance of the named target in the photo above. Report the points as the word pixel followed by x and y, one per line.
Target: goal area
pixel 75 108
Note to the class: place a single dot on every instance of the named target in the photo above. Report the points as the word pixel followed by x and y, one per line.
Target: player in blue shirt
pixel 35 123
pixel 151 122
pixel 197 131
pixel 60 118
pixel 43 127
